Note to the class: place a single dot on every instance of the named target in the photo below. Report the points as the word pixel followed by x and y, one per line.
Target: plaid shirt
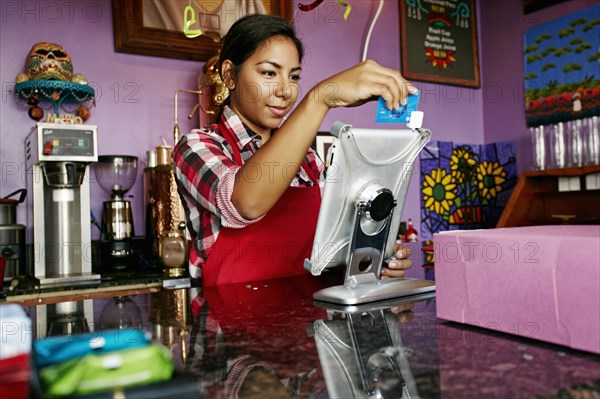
pixel 205 173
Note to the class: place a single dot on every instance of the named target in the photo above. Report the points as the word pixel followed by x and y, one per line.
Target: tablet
pixel 364 165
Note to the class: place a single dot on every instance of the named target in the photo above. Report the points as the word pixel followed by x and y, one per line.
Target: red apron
pixel 273 247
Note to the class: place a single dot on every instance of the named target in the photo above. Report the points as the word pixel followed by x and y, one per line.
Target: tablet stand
pixel 362 283
pixel 365 184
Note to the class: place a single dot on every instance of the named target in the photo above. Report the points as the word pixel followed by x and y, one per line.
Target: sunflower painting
pixel 461 161
pixel 439 191
pixel 490 177
pixel 465 186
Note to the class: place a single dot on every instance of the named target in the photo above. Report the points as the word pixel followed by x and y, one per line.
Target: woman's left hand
pixel 397 267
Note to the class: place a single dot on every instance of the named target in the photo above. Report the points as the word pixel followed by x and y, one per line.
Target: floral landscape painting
pixel 562 69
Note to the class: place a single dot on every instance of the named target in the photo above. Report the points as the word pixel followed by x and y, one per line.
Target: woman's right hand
pixel 361 83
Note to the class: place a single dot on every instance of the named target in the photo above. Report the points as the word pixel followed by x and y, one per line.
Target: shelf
pixel 536 200
pixel 566 172
pixel 55 92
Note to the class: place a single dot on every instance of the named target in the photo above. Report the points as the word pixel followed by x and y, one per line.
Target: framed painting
pixel 465 186
pixel 439 42
pixel 323 143
pixel 562 73
pixel 534 5
pixel 155 28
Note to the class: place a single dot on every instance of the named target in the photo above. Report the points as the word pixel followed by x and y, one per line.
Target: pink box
pixel 541 282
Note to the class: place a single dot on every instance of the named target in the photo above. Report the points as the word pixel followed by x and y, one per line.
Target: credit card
pixel 401 115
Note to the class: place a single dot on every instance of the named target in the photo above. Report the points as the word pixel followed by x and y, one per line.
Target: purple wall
pixel 136 93
pixel 502 28
pixel 451 113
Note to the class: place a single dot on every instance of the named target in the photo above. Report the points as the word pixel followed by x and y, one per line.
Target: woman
pixel 249 184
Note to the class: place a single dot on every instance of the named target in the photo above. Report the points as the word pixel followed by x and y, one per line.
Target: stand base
pixel 373 291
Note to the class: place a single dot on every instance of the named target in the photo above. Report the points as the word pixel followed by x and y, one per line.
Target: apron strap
pixel 237 157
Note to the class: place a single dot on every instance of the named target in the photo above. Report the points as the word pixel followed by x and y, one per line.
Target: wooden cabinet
pixel 536 200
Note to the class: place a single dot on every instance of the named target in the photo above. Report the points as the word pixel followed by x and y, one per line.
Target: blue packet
pixel 52 350
pixel 401 115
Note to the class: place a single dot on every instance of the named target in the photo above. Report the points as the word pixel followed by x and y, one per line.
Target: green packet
pixel 99 372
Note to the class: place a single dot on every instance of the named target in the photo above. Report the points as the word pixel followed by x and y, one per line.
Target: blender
pixel 116 175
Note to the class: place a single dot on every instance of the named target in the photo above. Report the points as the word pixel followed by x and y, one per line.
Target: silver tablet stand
pixel 362 283
pixel 373 207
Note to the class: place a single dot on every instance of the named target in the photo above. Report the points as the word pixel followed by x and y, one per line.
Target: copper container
pixel 164 154
pixel 173 252
pixel 150 199
pixel 164 210
pixel 168 205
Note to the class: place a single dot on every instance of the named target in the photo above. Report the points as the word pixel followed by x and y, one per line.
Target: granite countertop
pixel 270 339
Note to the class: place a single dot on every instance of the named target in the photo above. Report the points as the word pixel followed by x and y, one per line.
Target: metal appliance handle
pixel 22 196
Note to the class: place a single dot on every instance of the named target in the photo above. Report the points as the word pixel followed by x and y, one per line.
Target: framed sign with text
pixel 534 5
pixel 439 41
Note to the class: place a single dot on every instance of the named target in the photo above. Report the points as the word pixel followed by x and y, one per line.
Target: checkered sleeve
pixel 200 163
pixel 206 173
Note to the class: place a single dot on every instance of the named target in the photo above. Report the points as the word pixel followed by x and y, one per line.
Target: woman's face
pixel 266 86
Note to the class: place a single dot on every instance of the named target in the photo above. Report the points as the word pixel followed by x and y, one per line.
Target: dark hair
pixel 247 34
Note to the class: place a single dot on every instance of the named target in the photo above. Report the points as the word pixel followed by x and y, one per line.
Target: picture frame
pixel 133 37
pixel 323 143
pixel 560 66
pixel 530 6
pixel 439 42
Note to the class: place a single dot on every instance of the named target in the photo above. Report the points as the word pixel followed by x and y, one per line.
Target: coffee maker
pixel 57 156
pixel 116 174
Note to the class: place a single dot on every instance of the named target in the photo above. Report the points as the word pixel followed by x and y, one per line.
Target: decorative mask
pixel 48 61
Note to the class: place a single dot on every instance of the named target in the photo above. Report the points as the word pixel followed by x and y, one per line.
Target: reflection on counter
pixel 65 318
pixel 170 315
pixel 362 354
pixel 119 313
pixel 270 339
pixel 252 338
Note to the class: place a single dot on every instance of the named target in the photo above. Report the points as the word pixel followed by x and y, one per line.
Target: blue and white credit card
pixel 401 115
